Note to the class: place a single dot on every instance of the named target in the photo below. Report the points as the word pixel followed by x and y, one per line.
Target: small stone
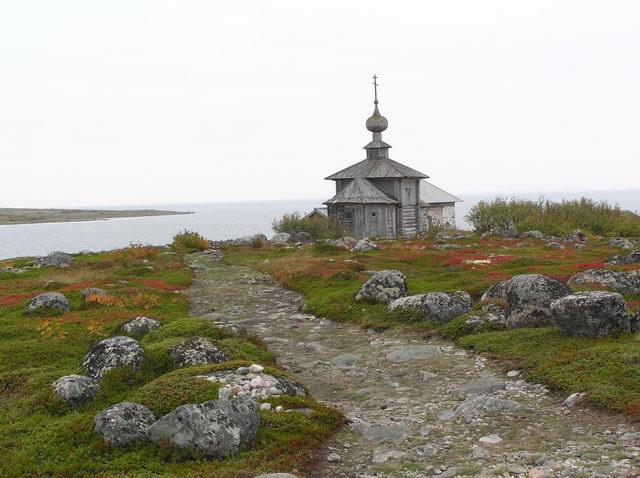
pixel 426 376
pixel 279 408
pixel 513 373
pixel 516 469
pixel 345 360
pixel 480 453
pixel 446 415
pixel 255 368
pixel 573 399
pixel 491 439
pixel 382 455
pixel 334 458
pixel 265 406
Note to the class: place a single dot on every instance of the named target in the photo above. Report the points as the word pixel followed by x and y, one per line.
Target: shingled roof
pixel 361 191
pixel 377 168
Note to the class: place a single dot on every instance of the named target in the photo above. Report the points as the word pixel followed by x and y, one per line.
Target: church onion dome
pixel 377 123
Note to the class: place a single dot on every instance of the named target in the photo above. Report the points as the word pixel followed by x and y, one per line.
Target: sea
pixel 215 221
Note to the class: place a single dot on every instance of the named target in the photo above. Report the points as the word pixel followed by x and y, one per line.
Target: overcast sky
pixel 141 102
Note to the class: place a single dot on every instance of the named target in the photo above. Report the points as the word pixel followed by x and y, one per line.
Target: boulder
pixel 480 385
pixel 484 405
pixel 140 326
pixel 625 259
pixel 591 314
pixel 533 233
pixel 281 238
pixel 577 236
pixel 345 243
pixel 217 428
pixel 621 242
pixel 50 300
pixel 301 237
pixel 446 306
pixel 75 389
pixel 364 245
pixel 506 230
pixel 529 298
pixel 496 291
pixel 56 259
pixel 383 287
pixel 250 240
pixel 409 302
pixel 623 282
pixel 112 353
pixel 124 423
pixel 554 245
pixel 93 291
pixel 196 351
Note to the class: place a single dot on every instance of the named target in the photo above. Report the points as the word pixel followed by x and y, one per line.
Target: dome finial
pixel 376 123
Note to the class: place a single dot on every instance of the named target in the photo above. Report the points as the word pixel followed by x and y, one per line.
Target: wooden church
pixel 379 197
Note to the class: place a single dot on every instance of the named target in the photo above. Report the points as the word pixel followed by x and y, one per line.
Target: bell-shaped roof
pixel 361 191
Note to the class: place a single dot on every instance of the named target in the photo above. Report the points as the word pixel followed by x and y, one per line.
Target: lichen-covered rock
pixel 50 300
pixel 281 238
pixel 217 428
pixel 301 237
pixel 484 405
pixel 112 353
pixel 345 243
pixel 623 282
pixel 364 245
pixel 577 236
pixel 124 423
pixel 445 306
pixel 196 351
pixel 383 287
pixel 481 385
pixel 591 314
pixel 496 291
pixel 529 298
pixel 533 233
pixel 507 230
pixel 250 240
pixel 625 259
pixel 621 242
pixel 93 291
pixel 554 245
pixel 141 326
pixel 408 302
pixel 56 259
pixel 75 389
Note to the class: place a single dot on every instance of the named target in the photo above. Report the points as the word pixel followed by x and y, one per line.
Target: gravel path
pixel 416 408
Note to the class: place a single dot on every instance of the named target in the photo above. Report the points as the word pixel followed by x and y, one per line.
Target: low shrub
pixel 556 218
pixel 189 241
pixel 317 227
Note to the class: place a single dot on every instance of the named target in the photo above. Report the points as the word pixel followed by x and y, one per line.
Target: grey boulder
pixel 93 291
pixel 112 353
pixel 533 233
pixel 140 326
pixel 345 243
pixel 625 259
pixel 529 298
pixel 75 389
pixel 591 314
pixel 437 306
pixel 383 287
pixel 621 242
pixel 281 238
pixel 496 291
pixel 623 282
pixel 364 245
pixel 217 428
pixel 250 240
pixel 480 385
pixel 196 351
pixel 484 405
pixel 50 300
pixel 301 237
pixel 56 259
pixel 124 423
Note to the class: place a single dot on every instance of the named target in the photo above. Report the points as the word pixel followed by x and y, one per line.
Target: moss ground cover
pixel 40 436
pixel 608 370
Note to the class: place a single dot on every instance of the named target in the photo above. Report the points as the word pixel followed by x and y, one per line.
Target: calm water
pixel 214 221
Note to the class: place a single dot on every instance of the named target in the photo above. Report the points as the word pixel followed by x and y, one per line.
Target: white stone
pixel 255 368
pixel 265 406
pixel 491 439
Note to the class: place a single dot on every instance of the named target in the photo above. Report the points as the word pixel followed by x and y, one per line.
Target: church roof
pixel 361 191
pixel 431 194
pixel 377 168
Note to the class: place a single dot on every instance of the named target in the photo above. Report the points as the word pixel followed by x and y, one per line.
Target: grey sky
pixel 134 102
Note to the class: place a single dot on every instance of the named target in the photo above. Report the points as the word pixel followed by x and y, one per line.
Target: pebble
pixel 265 406
pixel 491 439
pixel 255 368
pixel 334 458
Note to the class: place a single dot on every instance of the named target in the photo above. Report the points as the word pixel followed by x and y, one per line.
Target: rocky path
pixel 416 408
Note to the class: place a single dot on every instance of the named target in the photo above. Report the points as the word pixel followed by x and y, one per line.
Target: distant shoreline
pixel 16 216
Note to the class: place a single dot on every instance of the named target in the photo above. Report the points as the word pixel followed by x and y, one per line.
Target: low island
pixel 33 216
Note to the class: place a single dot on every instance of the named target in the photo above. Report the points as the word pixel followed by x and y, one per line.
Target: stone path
pixel 401 395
